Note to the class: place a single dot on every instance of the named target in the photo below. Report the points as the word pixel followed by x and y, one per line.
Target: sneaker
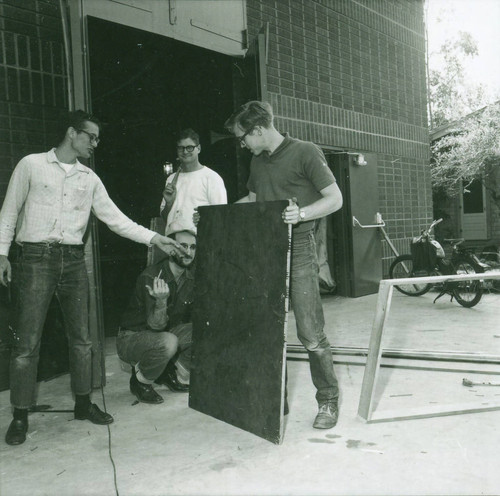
pixel 328 415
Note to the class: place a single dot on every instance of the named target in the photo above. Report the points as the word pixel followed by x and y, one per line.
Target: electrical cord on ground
pixel 109 445
pixel 48 409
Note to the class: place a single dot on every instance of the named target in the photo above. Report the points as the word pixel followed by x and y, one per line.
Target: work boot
pixel 144 392
pixel 328 415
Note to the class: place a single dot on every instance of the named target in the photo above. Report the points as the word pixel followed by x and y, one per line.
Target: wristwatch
pixel 302 214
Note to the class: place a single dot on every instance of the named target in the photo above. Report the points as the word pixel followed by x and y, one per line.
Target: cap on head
pixel 180 225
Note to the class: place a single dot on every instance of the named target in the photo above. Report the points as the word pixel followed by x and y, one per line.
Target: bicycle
pixel 428 258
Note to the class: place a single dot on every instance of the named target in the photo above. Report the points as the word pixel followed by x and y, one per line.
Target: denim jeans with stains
pixel 42 271
pixel 152 350
pixel 308 310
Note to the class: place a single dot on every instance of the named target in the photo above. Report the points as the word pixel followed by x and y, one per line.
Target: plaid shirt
pixel 46 204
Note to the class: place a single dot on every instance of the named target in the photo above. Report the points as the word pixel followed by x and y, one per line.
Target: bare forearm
pixel 330 201
pixel 250 198
pixel 158 318
pixel 164 213
pixel 321 208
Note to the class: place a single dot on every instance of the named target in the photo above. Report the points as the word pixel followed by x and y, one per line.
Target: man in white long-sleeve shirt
pixel 194 185
pixel 47 207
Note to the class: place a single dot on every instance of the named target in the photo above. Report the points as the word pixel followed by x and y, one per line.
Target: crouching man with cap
pixel 155 330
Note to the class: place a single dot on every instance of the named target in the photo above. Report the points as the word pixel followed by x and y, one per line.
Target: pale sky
pixel 480 18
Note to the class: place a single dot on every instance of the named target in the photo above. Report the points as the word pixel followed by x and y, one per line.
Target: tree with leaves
pixel 451 95
pixel 470 151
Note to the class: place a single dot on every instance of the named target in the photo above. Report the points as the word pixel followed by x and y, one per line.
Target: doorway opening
pixel 145 88
pixel 473 205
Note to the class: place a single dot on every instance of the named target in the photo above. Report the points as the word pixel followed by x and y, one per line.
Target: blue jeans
pixel 308 310
pixel 44 270
pixel 152 350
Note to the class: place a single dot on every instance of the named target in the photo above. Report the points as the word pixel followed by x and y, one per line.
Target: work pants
pixel 42 271
pixel 152 350
pixel 308 310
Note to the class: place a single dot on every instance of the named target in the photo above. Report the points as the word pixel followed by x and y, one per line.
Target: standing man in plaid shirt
pixel 47 207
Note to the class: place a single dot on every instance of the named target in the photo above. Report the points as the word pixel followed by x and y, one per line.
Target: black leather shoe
pixel 144 392
pixel 16 433
pixel 94 414
pixel 169 378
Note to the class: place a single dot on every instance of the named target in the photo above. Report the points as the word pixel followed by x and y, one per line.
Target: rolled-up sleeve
pixel 106 211
pixel 17 192
pixel 217 191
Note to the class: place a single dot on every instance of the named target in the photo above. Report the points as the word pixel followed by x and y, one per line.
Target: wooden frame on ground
pixel 365 409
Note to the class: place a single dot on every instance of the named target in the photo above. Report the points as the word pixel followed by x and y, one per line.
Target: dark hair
pixel 189 134
pixel 250 115
pixel 77 120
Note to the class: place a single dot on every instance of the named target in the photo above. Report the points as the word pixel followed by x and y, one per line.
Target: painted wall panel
pixel 213 24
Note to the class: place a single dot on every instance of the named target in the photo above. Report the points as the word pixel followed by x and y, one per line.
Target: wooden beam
pixel 434 279
pixel 365 409
pixel 429 412
pixel 374 352
pixel 446 356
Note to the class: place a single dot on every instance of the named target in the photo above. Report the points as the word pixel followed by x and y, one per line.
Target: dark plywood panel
pixel 239 323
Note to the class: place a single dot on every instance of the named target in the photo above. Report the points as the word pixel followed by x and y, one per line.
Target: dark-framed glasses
pixel 188 247
pixel 241 139
pixel 91 136
pixel 188 149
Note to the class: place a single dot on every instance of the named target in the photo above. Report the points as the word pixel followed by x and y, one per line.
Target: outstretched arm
pixel 168 245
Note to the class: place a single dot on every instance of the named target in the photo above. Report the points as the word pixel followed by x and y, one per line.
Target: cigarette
pixel 159 274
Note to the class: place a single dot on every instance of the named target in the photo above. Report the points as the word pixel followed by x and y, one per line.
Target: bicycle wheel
pixel 467 293
pixel 402 267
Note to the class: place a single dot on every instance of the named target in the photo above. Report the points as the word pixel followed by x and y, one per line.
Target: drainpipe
pixel 67 52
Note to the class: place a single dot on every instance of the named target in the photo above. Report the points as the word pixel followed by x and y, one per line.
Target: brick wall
pixel 33 80
pixel 350 75
pixel 347 74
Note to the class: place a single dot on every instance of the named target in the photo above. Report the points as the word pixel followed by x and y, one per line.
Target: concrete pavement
pixel 169 449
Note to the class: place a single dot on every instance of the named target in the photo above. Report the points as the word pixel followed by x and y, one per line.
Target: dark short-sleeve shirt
pixel 179 303
pixel 295 169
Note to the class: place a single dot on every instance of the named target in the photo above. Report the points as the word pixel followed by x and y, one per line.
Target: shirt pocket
pixel 76 195
pixel 44 192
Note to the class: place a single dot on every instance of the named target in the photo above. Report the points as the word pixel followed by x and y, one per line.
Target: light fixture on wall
pixel 360 160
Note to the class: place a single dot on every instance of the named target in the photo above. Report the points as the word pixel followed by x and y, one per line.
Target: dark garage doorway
pixel 145 88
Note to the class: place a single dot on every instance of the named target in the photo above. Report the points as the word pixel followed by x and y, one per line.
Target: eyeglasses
pixel 241 138
pixel 91 136
pixel 188 247
pixel 189 148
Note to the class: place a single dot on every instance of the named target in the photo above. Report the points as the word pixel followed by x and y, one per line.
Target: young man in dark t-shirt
pixel 283 168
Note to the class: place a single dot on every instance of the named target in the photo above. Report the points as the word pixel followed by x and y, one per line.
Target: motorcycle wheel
pixel 402 268
pixel 467 293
